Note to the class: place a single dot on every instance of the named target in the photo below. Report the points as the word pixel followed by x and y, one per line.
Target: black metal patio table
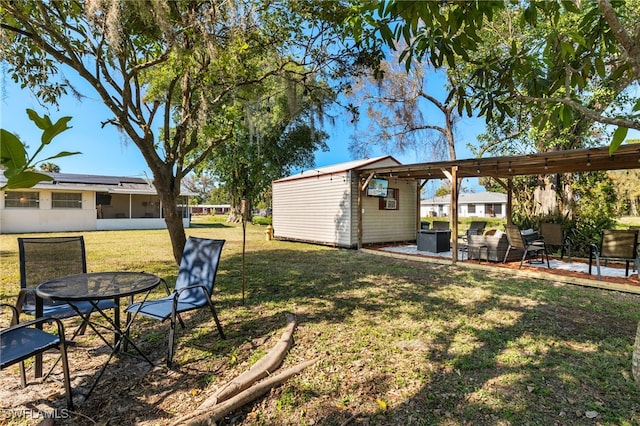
pixel 96 286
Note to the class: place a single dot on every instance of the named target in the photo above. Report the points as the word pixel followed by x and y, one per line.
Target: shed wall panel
pixel 315 209
pixel 379 226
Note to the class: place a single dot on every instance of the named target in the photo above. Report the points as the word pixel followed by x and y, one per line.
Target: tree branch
pixel 587 112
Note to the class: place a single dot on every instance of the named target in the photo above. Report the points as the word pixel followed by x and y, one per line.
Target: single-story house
pixel 204 209
pixel 476 204
pixel 75 202
pixel 321 205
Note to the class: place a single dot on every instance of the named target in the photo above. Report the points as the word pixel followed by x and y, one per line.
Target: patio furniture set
pixel 528 245
pixel 55 285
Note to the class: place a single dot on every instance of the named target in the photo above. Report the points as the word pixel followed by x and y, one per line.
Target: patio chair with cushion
pixel 24 340
pixel 46 258
pixel 529 245
pixel 554 236
pixel 193 289
pixel 617 245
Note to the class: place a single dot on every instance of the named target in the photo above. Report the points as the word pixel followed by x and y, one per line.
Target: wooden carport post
pixel 361 189
pixel 454 213
pixel 509 199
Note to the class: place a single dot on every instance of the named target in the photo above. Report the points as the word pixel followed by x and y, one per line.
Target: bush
pixel 261 220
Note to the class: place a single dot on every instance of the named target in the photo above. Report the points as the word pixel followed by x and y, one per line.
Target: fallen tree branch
pixel 264 367
pixel 210 416
pixel 246 387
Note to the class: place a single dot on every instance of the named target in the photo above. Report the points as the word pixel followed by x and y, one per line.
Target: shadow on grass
pixel 398 342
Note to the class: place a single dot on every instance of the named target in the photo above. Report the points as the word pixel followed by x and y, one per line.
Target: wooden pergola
pixel 503 169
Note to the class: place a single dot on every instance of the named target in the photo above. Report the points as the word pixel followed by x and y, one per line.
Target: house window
pixel 22 199
pixel 471 208
pixel 66 200
pixel 391 201
pixel 493 209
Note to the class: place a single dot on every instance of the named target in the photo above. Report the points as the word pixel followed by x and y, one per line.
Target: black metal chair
pixel 24 340
pixel 528 246
pixel 440 225
pixel 476 227
pixel 193 289
pixel 42 259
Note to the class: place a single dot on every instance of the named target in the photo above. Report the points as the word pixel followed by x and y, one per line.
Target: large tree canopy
pixel 173 65
pixel 583 45
pixel 404 112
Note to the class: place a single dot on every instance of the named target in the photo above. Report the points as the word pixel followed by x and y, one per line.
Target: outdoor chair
pixel 440 225
pixel 475 228
pixel 527 245
pixel 193 289
pixel 43 259
pixel 46 258
pixel 554 236
pixel 24 340
pixel 618 245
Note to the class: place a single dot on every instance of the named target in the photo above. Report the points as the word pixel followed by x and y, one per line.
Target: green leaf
pixel 42 122
pixel 54 130
pixel 599 63
pixel 12 152
pixel 60 155
pixel 26 179
pixel 618 138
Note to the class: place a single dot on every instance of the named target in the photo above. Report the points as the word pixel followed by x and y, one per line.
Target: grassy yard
pixel 398 342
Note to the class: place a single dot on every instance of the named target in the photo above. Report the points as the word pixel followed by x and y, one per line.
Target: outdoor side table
pixel 434 240
pixel 97 286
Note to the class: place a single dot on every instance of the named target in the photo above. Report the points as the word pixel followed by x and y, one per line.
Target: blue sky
pixel 105 151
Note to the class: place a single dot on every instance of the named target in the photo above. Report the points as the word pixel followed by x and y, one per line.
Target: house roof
pixel 468 198
pixel 342 168
pixel 95 179
pixel 100 183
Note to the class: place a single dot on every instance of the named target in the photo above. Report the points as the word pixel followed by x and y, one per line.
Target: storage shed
pixel 321 205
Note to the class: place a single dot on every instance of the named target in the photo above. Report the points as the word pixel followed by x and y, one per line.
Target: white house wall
pixel 47 219
pixel 144 209
pixel 463 210
pixel 316 209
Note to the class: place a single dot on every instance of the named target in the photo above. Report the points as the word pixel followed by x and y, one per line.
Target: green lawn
pixel 398 342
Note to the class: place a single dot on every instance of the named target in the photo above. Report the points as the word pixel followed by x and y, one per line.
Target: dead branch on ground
pixel 247 387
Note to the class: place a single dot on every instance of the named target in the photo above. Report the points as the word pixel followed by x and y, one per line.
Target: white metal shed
pixel 321 206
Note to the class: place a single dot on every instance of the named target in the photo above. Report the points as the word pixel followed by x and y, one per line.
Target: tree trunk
pixel 635 367
pixel 172 218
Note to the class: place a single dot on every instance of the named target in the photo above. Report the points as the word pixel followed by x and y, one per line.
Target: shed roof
pixel 340 168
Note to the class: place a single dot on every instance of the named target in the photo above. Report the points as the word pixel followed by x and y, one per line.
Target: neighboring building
pixel 478 204
pixel 321 206
pixel 73 202
pixel 203 209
